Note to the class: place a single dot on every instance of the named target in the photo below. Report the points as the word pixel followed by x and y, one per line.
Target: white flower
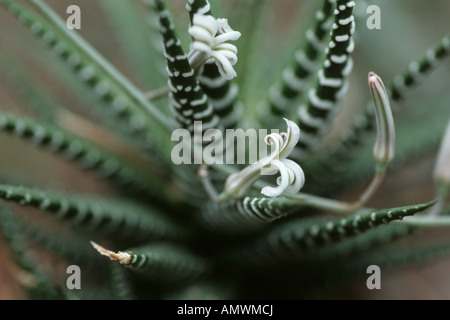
pixel 291 178
pixel 384 148
pixel 208 45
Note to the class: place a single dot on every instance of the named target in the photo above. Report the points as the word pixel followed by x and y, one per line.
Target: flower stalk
pixel 384 148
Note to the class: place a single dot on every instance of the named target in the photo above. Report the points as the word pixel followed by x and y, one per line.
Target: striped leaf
pixel 71 246
pixel 364 242
pixel 308 271
pixel 121 283
pixel 325 98
pixel 159 262
pixel 387 258
pixel 80 151
pixel 247 213
pixel 198 6
pixel 296 78
pixel 221 94
pixel 291 240
pixel 110 217
pixel 250 211
pixel 33 96
pixel 126 103
pixel 403 83
pixel 187 100
pixel 36 284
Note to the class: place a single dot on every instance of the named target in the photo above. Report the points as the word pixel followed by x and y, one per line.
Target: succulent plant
pixel 160 188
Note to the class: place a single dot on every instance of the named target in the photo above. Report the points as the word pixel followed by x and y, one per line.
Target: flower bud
pixel 384 148
pixel 442 168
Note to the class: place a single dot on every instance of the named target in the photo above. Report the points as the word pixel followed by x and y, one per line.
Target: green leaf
pixel 38 285
pixel 187 100
pixel 125 101
pixel 221 94
pixel 387 258
pixel 296 78
pixel 291 240
pixel 71 246
pixel 138 35
pixel 324 99
pixel 364 242
pixel 122 219
pixel 81 152
pixel 252 16
pixel 121 282
pixel 159 262
pixel 247 213
pixel 32 95
pixel 196 6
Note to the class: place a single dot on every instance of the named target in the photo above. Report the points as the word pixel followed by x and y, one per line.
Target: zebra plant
pixel 169 228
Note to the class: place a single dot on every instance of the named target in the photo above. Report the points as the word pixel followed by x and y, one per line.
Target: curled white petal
pixel 290 138
pixel 291 178
pixel 296 176
pixel 229 36
pixel 224 27
pixel 200 46
pixel 206 22
pixel 282 181
pixel 201 34
pixel 276 141
pixel 227 48
pixel 224 65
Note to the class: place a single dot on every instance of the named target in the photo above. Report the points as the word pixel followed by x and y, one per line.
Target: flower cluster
pixel 208 45
pixel 291 178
